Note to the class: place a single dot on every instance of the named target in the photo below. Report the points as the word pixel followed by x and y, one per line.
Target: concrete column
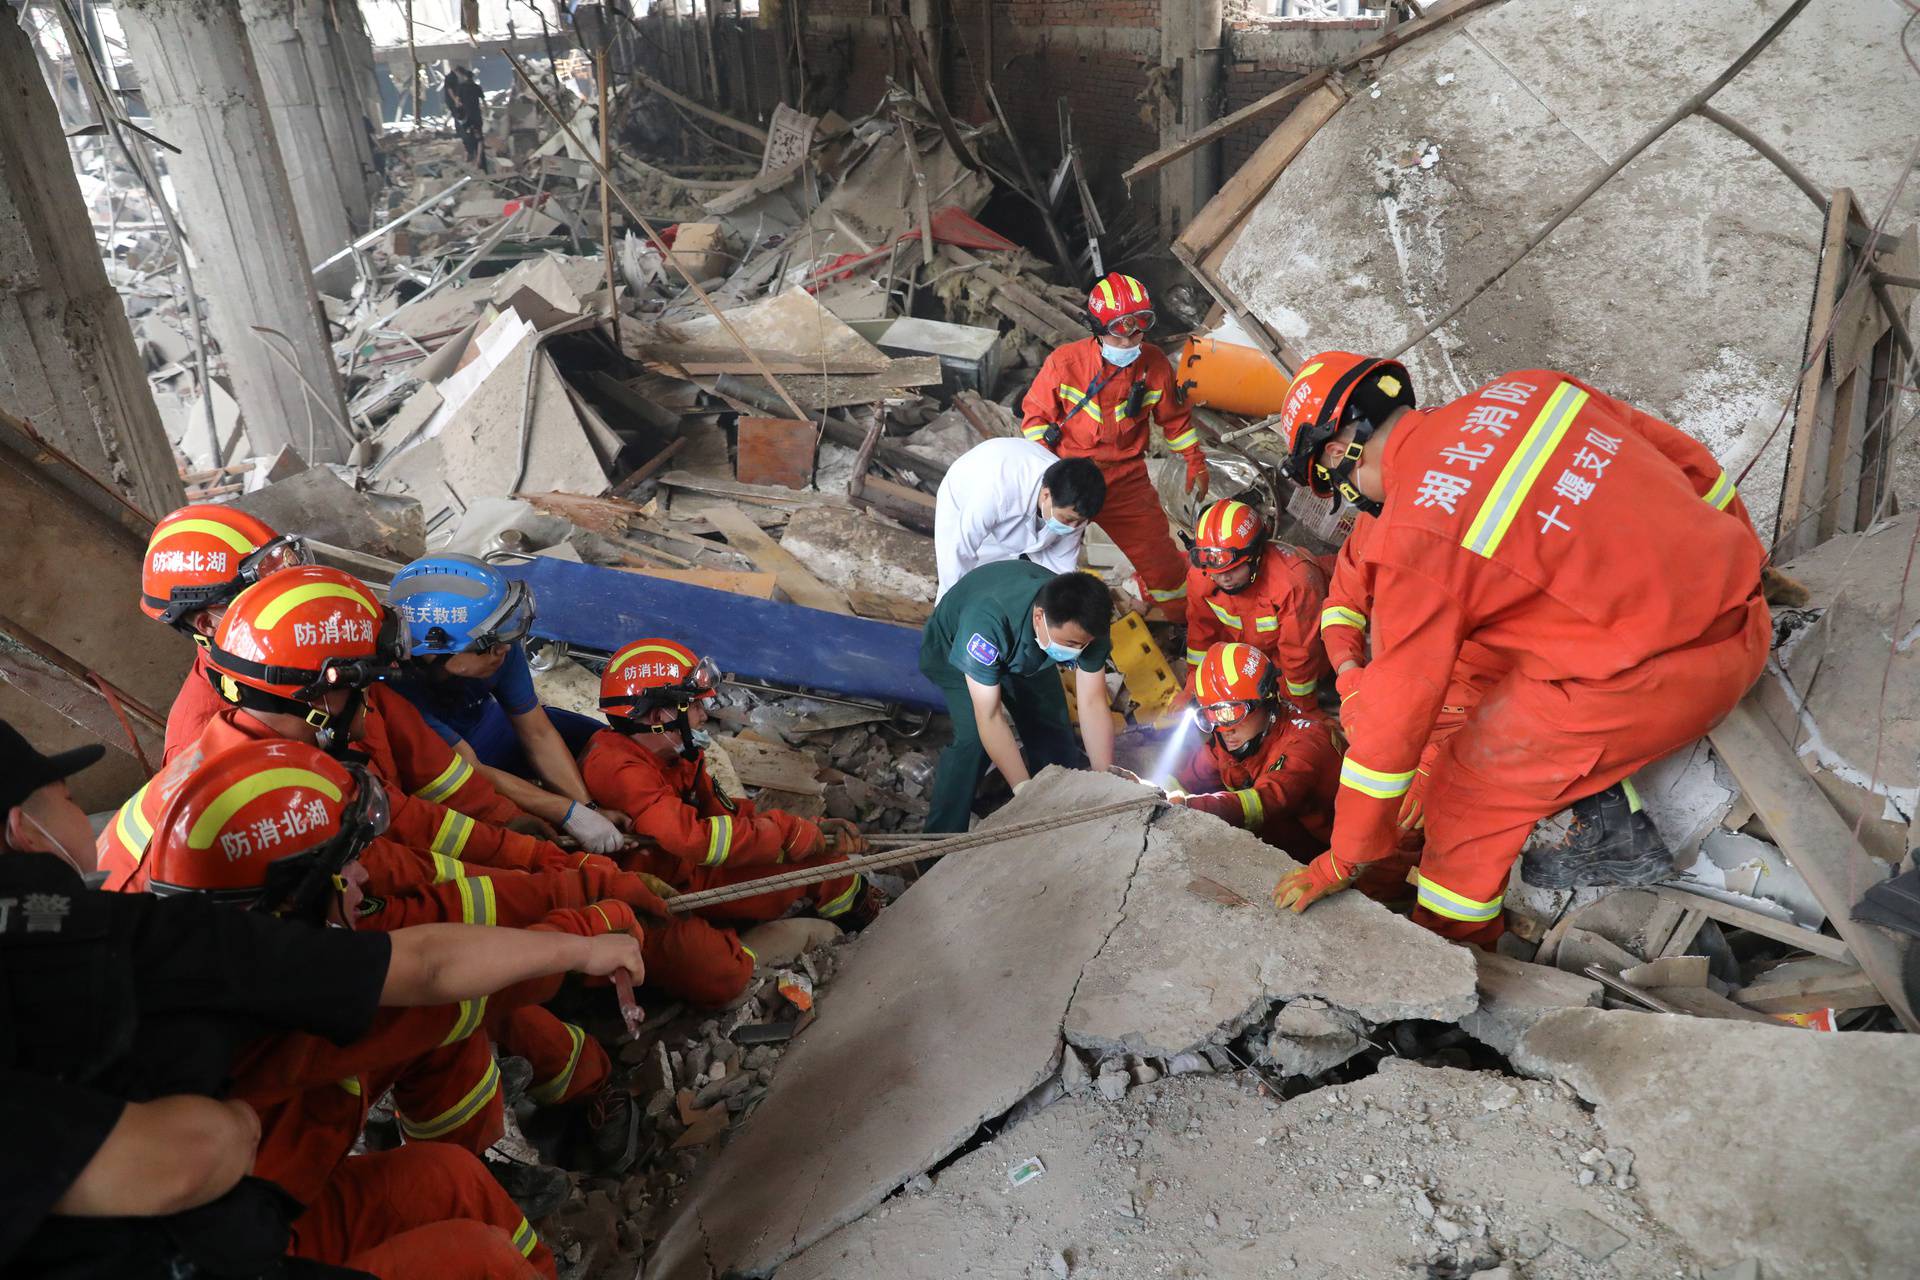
pixel 67 359
pixel 314 123
pixel 360 69
pixel 198 76
pixel 1191 35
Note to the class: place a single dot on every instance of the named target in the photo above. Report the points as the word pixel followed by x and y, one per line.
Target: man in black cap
pixel 121 1014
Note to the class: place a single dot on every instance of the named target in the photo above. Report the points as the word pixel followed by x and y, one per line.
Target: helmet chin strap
pixel 1340 476
pixel 332 736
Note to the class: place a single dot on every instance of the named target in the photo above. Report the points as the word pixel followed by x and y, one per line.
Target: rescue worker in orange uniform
pixel 1549 523
pixel 198 559
pixel 649 763
pixel 1093 399
pixel 212 839
pixel 1265 594
pixel 1267 765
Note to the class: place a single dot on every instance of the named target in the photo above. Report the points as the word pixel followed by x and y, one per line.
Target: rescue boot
pixel 538 1189
pixel 609 1138
pixel 516 1074
pixel 1603 840
pixel 871 900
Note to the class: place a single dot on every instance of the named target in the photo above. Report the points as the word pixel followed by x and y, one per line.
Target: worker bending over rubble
pixel 998 641
pixel 130 1013
pixel 467 675
pixel 649 762
pixel 1013 500
pixel 1267 765
pixel 1093 399
pixel 1264 594
pixel 1595 548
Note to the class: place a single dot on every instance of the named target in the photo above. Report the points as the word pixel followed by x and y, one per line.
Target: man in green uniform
pixel 999 637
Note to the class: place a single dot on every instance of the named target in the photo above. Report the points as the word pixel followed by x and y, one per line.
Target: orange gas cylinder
pixel 1232 378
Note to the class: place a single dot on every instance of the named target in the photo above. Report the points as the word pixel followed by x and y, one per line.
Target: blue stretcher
pixel 594 608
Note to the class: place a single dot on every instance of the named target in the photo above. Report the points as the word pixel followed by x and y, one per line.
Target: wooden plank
pixel 801 587
pixel 700 109
pixel 1817 843
pixel 1766 926
pixel 1705 1002
pixel 1791 531
pixel 763 764
pixel 765 495
pixel 1808 995
pixel 872 604
pixel 758 585
pixel 1840 489
pixel 1436 17
pixel 930 85
pixel 1683 933
pixel 775 451
pixel 644 472
pixel 1276 348
pixel 1251 181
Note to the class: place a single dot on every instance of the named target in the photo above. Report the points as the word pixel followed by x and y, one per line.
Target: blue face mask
pixel 1119 357
pixel 1059 652
pixel 1059 528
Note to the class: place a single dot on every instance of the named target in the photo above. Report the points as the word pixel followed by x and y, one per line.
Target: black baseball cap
pixel 24 771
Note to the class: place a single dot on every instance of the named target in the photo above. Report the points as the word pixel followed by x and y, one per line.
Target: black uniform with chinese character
pixel 112 998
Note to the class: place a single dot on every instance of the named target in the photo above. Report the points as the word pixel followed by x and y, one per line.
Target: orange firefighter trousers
pixel 1133 517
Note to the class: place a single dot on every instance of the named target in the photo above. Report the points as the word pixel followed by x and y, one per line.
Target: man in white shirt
pixel 1008 499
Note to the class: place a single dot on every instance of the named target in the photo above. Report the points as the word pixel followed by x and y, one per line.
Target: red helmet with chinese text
pixel 265 825
pixel 1332 391
pixel 1230 681
pixel 1119 305
pixel 202 556
pixel 1229 535
pixel 298 635
pixel 654 673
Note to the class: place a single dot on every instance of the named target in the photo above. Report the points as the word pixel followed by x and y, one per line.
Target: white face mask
pixel 1119 357
pixel 58 848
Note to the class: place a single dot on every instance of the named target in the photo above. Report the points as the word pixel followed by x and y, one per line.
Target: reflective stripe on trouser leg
pixel 469 1106
pixel 841 903
pixel 1443 901
pixel 550 1091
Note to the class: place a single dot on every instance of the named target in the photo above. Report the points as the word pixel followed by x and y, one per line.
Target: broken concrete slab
pixel 1183 970
pixel 319 505
pixel 854 552
pixel 1310 1037
pixel 1514 995
pixel 945 1013
pixel 1795 1149
pixel 1387 1177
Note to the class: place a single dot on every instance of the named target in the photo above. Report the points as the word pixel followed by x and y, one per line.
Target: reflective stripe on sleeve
pixel 1168 597
pixel 460 1112
pixel 1299 690
pixel 1372 782
pixel 1721 493
pixel 451 838
pixel 132 828
pixel 524 1239
pixel 1516 479
pixel 1338 615
pixel 446 869
pixel 1252 811
pixel 1184 441
pixel 451 779
pixel 1035 431
pixel 1231 619
pixel 1195 657
pixel 352 1085
pixel 1443 901
pixel 477 905
pixel 551 1091
pixel 719 840
pixel 1266 624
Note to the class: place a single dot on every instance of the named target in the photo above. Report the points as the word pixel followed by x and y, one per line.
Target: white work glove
pixel 595 833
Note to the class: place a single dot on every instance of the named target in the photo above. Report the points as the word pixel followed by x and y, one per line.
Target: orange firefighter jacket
pixel 676 807
pixel 1572 535
pixel 1103 430
pixel 1283 790
pixel 1278 613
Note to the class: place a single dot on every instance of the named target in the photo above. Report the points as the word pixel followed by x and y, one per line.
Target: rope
pixel 683 903
pixel 112 696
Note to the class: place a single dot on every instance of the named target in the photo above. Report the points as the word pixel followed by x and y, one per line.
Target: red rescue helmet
pixel 302 633
pixel 1229 535
pixel 1230 681
pixel 1119 305
pixel 655 673
pixel 264 825
pixel 202 556
pixel 1333 390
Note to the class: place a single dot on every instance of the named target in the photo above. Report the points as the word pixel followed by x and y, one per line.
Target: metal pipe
pixel 367 239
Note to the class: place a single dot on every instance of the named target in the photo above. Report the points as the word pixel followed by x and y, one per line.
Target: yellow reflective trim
pixel 1252 811
pixel 451 838
pixel 682 656
pixel 843 903
pixel 1516 479
pixel 287 601
pixel 551 1091
pixel 352 1085
pixel 477 902
pixel 1372 782
pixel 1138 290
pixel 1721 493
pixel 132 827
pixel 451 779
pixel 1195 657
pixel 236 797
pixel 1167 597
pixel 1037 431
pixel 1633 795
pixel 1338 615
pixel 471 1012
pixel 445 868
pixel 1302 690
pixel 1443 901
pixel 1266 624
pixel 751 954
pixel 719 840
pixel 1184 441
pixel 213 529
pixel 1152 398
pixel 460 1112
pixel 1231 619
pixel 524 1238
pixel 1106 293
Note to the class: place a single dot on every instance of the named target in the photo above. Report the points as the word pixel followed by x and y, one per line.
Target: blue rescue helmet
pixel 452 604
